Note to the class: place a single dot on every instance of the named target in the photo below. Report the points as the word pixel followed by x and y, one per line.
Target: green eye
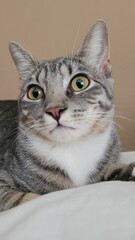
pixel 35 92
pixel 79 83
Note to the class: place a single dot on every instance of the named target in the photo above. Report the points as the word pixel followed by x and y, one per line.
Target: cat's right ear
pixel 24 62
pixel 95 50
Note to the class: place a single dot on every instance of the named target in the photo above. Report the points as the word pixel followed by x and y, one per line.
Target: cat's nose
pixel 56 111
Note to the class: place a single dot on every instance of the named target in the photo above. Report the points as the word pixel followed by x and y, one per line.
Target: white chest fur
pixel 78 158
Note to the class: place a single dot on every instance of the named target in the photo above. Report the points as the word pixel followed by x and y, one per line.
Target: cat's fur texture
pixel 66 138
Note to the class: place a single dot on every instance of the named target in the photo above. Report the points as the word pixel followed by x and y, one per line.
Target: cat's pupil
pixel 80 83
pixel 36 92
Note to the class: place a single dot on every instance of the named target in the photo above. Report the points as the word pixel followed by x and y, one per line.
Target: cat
pixel 60 133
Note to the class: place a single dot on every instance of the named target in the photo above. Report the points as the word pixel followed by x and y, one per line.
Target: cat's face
pixel 67 98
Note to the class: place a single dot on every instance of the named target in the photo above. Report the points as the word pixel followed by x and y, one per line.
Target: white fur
pixel 78 158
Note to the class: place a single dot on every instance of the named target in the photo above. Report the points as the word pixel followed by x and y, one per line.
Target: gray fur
pixel 23 174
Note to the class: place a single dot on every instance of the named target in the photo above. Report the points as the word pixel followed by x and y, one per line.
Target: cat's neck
pixel 78 159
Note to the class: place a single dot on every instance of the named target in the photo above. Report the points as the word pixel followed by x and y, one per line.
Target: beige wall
pixel 48 28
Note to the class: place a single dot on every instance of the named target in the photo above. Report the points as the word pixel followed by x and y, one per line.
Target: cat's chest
pixel 79 159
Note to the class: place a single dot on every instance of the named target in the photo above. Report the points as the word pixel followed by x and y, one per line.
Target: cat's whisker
pixel 10 134
pixel 11 118
pixel 86 121
pixel 118 126
pixel 121 106
pixel 33 123
pixel 33 128
pixel 66 49
pixel 76 38
pixel 14 140
pixel 123 117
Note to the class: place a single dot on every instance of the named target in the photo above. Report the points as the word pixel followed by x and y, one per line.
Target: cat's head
pixel 69 98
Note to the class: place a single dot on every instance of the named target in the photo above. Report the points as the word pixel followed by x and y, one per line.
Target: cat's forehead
pixel 60 68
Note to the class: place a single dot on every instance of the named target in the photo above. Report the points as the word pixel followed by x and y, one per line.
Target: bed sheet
pixel 102 211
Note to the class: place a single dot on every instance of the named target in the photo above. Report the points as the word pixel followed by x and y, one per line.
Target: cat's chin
pixel 63 134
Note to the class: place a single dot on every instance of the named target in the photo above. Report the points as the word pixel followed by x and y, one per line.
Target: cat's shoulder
pixel 8 105
pixel 8 110
pixel 8 117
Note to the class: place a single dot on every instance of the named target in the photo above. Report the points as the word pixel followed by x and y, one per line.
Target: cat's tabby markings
pixel 60 134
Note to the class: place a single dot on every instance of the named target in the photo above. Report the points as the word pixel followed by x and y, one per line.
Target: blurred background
pixel 54 28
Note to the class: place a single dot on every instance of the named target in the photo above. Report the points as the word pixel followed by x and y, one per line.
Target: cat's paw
pixel 29 196
pixel 121 172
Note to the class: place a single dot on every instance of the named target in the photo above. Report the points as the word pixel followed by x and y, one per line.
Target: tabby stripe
pixel 12 197
pixel 59 66
pixel 29 196
pixel 104 107
pixel 3 181
pixel 95 90
pixel 70 69
pixel 50 182
pixel 45 174
pixel 38 74
pixel 6 195
pixel 91 102
pixel 49 175
pixel 105 89
pixel 104 161
pixel 45 166
pixel 19 200
pixel 53 67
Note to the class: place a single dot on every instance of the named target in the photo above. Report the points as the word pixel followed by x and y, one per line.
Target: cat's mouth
pixel 60 126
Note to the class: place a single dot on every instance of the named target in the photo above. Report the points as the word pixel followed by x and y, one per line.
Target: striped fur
pixel 40 154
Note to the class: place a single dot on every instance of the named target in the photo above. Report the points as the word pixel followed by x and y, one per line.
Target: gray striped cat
pixel 60 134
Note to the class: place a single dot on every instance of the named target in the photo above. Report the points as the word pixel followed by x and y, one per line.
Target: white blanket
pixel 102 211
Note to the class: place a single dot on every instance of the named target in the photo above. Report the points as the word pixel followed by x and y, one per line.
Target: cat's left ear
pixel 25 63
pixel 95 50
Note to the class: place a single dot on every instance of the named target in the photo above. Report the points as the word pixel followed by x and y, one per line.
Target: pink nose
pixel 55 112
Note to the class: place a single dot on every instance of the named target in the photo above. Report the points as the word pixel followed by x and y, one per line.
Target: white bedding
pixel 103 211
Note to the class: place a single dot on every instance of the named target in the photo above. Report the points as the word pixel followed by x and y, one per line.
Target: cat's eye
pixel 35 92
pixel 79 83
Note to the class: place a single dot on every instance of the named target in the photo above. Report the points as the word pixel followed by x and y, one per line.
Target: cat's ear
pixel 95 49
pixel 24 62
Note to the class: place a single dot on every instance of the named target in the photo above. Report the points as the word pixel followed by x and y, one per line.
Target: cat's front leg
pixel 10 197
pixel 123 172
